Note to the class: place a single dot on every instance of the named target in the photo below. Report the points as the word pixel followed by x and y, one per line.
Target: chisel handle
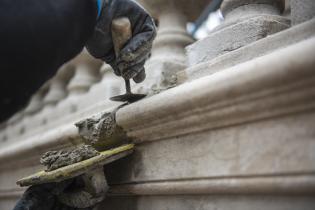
pixel 121 33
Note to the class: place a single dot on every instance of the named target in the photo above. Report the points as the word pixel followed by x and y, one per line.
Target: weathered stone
pixel 57 88
pixel 230 5
pixel 101 131
pixel 207 202
pixel 234 37
pixel 302 10
pixel 245 22
pixel 259 48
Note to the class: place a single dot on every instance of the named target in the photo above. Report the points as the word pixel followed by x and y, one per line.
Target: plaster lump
pixel 57 159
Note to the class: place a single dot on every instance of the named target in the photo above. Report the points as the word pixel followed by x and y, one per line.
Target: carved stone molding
pixel 260 88
pixel 286 184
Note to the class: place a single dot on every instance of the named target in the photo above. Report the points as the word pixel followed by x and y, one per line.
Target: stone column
pixel 246 21
pixel 302 10
pixel 168 54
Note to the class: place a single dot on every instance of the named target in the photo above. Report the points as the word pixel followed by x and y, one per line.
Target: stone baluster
pixel 110 85
pixel 14 127
pixel 46 99
pixel 3 135
pixel 302 10
pixel 245 22
pixel 287 9
pixel 58 83
pixel 168 54
pixel 36 103
pixel 87 73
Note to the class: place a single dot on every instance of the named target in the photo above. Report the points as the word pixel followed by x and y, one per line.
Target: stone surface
pixel 57 88
pixel 259 48
pixel 234 37
pixel 86 73
pixel 245 22
pixel 227 202
pixel 302 10
pixel 36 103
pixel 227 97
pixel 189 8
pixel 255 149
pixel 230 5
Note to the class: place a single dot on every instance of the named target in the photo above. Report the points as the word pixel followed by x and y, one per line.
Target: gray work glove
pixel 130 62
pixel 44 197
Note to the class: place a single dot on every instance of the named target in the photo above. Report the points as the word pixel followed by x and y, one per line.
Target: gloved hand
pixel 130 62
pixel 44 197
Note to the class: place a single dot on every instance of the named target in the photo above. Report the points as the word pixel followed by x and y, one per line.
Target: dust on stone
pixel 57 159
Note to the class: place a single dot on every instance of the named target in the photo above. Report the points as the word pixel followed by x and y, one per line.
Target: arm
pixel 131 60
pixel 37 37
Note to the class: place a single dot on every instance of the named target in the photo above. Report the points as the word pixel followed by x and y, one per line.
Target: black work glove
pixel 44 197
pixel 131 59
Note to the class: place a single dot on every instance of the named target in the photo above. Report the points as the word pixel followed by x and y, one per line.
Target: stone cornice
pixel 280 83
pixel 288 184
pixel 256 185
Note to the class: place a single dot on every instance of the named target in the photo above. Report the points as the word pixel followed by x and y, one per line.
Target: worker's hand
pixel 44 196
pixel 130 62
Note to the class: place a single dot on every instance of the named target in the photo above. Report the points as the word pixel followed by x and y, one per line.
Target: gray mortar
pixel 57 159
pixel 96 127
pixel 101 131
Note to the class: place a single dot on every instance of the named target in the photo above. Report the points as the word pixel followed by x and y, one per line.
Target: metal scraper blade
pixel 128 97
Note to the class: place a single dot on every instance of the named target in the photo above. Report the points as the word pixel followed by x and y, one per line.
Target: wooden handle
pixel 121 33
